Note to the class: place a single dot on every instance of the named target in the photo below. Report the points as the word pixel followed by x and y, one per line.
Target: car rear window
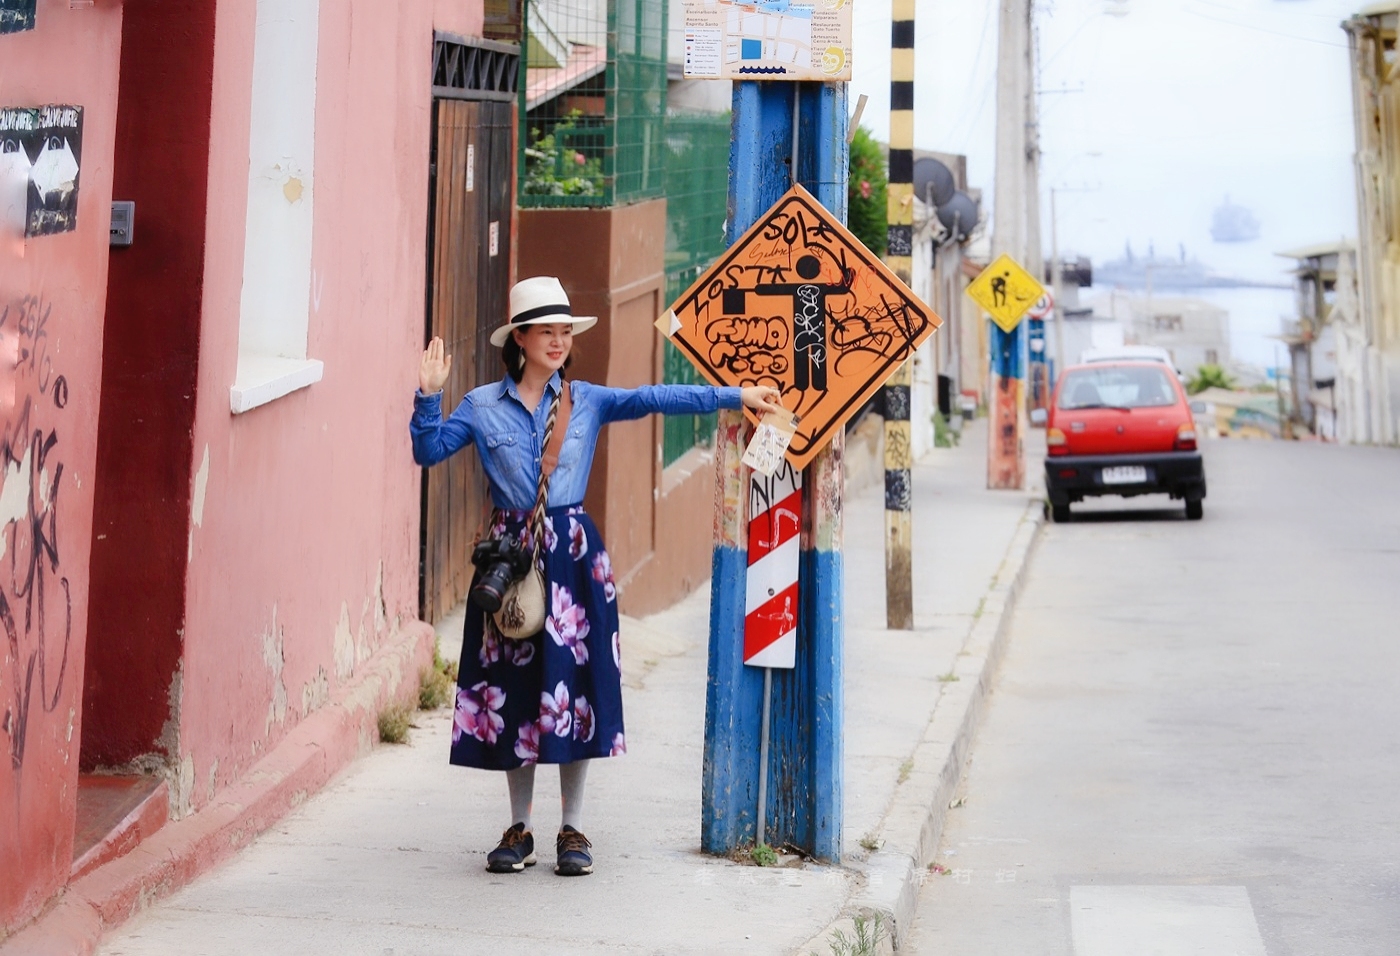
pixel 1116 386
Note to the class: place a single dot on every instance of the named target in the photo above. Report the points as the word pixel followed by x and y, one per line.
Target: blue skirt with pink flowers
pixel 556 697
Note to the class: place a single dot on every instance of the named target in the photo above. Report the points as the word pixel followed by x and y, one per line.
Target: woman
pixel 557 696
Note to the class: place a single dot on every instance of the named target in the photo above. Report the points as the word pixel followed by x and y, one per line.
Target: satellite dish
pixel 958 215
pixel 929 173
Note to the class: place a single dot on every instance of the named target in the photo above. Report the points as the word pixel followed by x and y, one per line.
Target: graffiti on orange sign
pixel 800 304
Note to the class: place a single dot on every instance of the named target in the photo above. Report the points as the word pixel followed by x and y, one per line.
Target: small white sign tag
pixel 471 166
pixel 770 441
pixel 495 240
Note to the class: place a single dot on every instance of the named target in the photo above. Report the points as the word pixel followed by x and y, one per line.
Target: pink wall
pixel 71 57
pixel 305 555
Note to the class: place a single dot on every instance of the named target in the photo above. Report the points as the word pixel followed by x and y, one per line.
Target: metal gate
pixel 470 197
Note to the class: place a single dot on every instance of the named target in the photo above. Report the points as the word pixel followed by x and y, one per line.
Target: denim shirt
pixel 510 438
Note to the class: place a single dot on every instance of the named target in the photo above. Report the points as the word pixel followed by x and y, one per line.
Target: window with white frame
pixel 275 308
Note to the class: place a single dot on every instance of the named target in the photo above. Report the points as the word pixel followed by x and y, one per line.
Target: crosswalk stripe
pixel 1163 921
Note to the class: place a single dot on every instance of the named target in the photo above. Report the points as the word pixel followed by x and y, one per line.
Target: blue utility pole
pixel 804 752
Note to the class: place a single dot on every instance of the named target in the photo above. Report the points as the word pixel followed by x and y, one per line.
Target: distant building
pixel 1376 111
pixel 1194 331
pixel 1327 344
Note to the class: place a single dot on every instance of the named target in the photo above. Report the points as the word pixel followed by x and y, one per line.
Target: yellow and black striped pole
pixel 899 584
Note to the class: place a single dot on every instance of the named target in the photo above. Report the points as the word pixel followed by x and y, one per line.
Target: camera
pixel 499 562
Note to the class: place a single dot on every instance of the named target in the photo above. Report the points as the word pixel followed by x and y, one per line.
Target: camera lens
pixel 491 588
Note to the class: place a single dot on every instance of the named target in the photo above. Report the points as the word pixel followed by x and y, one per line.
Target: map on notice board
pixel 768 39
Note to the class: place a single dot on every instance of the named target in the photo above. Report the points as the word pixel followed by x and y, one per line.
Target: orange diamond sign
pixel 799 303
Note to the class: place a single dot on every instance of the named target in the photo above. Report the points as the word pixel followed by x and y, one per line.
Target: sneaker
pixel 515 851
pixel 574 858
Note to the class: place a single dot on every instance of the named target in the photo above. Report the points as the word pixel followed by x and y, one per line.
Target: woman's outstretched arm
pixel 624 404
pixel 433 438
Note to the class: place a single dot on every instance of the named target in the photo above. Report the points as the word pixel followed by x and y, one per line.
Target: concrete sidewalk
pixel 390 858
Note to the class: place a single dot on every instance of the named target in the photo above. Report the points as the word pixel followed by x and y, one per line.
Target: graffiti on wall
pixel 36 612
pixel 16 15
pixel 41 152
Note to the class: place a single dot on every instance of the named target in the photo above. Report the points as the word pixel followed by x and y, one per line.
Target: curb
pixel 304 761
pixel 913 825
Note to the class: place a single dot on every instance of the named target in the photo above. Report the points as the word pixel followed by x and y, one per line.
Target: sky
pixel 1175 104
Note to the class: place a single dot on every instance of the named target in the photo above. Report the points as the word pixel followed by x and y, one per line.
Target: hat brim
pixel 581 323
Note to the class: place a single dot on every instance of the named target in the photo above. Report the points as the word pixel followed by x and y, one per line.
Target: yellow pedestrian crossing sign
pixel 1006 291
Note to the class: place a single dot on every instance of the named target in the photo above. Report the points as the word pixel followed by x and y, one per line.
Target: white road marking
pixel 1163 921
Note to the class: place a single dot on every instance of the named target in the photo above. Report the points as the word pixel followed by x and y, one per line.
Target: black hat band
pixel 540 312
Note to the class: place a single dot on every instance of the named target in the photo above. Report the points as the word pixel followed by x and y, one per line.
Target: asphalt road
pixel 1193 744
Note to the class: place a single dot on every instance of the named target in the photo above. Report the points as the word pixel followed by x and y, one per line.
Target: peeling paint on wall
pixel 344 645
pixel 315 692
pixel 201 486
pixel 275 659
pixel 182 789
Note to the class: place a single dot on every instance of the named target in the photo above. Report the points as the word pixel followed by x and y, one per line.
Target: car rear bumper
pixel 1180 474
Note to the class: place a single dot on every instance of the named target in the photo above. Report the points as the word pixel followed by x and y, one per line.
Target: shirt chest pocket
pixel 574 441
pixel 509 451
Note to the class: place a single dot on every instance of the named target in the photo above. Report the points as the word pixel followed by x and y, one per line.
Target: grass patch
pixel 948 678
pixel 394 722
pixel 763 855
pixel 435 683
pixel 905 769
pixel 871 842
pixel 868 934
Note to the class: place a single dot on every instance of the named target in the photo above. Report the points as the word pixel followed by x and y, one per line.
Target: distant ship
pixel 1167 274
pixel 1233 223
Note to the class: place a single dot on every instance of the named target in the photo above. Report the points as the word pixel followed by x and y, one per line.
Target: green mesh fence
pixel 595 131
pixel 697 190
pixel 593 103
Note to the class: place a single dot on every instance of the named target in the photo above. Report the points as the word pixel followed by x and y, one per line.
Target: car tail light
pixel 1186 437
pixel 1055 442
pixel 1069 472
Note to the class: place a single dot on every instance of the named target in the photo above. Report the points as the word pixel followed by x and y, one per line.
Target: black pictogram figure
pixel 809 345
pixel 999 289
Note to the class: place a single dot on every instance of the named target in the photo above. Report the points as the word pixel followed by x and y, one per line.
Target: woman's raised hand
pixel 762 398
pixel 433 370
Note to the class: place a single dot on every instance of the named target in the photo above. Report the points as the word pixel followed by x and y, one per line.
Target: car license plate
pixel 1125 475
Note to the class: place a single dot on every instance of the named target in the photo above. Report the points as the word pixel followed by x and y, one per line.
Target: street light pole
pixel 1006 467
pixel 1057 285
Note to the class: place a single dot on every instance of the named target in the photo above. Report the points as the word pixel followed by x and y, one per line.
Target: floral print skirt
pixel 555 697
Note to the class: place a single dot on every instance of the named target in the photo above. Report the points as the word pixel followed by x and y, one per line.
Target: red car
pixel 1121 428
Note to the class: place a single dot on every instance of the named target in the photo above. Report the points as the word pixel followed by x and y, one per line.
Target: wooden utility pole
pixel 1006 467
pixel 899 582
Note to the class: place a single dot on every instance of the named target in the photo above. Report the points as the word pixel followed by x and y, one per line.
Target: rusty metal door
pixel 468 281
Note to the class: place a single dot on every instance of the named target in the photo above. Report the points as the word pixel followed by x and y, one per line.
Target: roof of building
pixel 1321 248
pixel 545 83
pixel 1377 9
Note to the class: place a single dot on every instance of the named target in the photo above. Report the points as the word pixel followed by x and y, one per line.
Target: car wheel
pixel 1194 510
pixel 1059 514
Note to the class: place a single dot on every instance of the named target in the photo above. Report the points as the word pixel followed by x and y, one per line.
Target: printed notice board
pixel 768 39
pixel 800 304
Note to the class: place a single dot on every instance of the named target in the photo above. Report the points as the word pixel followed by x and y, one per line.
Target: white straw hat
pixel 538 301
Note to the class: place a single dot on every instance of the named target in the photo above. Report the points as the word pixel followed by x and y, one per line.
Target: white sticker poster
pixel 768 39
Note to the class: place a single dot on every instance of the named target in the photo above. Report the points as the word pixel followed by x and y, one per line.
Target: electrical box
pixel 123 221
